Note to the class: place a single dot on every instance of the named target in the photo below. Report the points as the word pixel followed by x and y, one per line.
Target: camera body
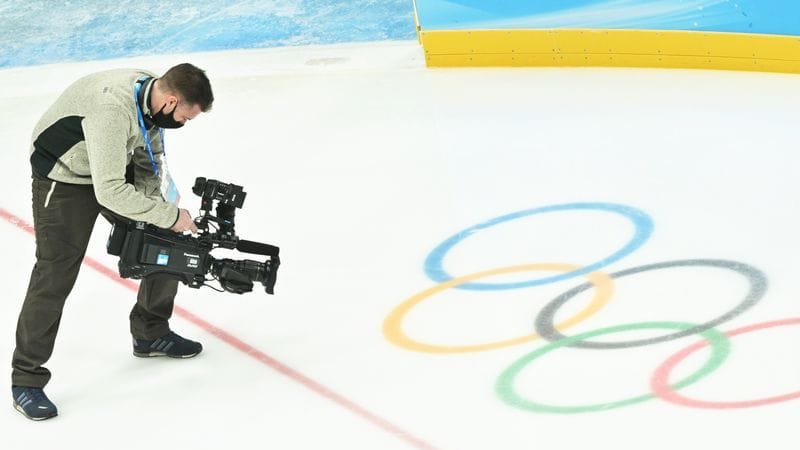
pixel 146 250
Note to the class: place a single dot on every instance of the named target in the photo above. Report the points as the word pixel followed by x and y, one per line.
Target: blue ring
pixel 640 219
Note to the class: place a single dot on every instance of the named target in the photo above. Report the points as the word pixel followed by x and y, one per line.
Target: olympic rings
pixel 392 327
pixel 660 385
pixel 504 387
pixel 642 222
pixel 544 327
pixel 758 286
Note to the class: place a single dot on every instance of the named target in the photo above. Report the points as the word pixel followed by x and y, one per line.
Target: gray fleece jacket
pixel 91 134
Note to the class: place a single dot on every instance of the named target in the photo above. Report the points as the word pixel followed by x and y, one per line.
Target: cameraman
pixel 99 148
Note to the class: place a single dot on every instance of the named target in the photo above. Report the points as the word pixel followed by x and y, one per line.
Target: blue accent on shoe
pixel 171 345
pixel 33 403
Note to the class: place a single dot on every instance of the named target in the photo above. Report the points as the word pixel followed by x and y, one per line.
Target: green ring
pixel 504 388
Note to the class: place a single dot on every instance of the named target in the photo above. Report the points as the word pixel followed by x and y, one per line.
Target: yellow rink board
pixel 611 48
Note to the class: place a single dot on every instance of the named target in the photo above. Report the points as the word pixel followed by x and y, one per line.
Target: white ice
pixel 358 161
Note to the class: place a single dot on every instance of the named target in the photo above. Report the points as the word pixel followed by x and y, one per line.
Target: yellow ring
pixel 393 325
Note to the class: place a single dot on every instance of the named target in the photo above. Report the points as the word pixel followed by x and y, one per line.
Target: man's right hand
pixel 184 223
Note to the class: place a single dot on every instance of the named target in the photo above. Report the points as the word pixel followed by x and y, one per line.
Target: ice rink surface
pixel 672 193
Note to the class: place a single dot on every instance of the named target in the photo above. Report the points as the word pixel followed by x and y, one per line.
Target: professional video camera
pixel 146 250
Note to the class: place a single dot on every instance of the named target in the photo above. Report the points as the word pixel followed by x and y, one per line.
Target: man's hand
pixel 184 223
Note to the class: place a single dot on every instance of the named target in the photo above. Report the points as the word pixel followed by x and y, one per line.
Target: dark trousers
pixel 63 217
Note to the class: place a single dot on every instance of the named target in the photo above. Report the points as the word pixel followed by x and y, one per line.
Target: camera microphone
pixel 256 248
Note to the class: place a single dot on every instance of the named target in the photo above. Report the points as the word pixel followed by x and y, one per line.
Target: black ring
pixel 758 287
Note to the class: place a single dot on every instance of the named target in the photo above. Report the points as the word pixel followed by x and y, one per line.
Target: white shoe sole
pixel 22 411
pixel 155 354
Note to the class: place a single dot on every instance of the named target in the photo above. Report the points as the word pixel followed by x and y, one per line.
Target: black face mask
pixel 162 120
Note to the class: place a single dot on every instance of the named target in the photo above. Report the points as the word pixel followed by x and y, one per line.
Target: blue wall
pixel 741 16
pixel 46 31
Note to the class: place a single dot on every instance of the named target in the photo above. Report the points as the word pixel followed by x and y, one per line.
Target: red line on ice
pixel 249 350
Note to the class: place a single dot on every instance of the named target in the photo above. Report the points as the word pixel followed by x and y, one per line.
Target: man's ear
pixel 172 101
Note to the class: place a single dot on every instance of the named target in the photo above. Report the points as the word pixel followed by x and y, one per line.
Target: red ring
pixel 660 385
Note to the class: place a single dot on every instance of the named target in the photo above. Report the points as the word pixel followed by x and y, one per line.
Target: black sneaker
pixel 32 403
pixel 170 345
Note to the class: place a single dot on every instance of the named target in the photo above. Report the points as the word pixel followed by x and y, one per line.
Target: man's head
pixel 180 95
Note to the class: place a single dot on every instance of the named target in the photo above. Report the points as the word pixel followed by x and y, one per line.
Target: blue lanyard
pixel 143 128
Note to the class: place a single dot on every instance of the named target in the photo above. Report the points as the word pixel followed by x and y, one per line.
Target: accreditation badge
pixel 169 190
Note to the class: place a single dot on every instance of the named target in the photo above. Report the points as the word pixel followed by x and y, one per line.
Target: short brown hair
pixel 191 83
